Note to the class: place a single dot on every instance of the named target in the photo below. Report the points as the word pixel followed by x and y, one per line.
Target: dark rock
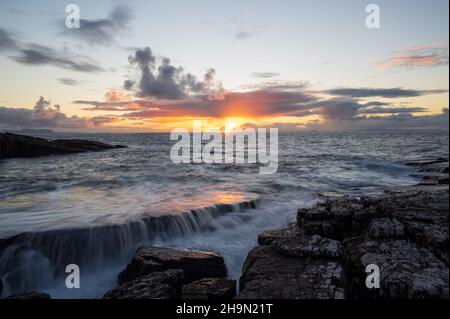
pixel 210 288
pixel 30 295
pixel 406 270
pixel 268 236
pixel 308 246
pixel 1 286
pixel 404 232
pixel 386 228
pixel 338 218
pixel 156 285
pixel 13 145
pixel 196 265
pixel 270 275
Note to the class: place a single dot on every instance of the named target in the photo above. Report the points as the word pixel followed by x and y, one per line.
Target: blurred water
pixel 62 196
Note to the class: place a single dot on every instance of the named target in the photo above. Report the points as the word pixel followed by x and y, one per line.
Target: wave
pixel 31 261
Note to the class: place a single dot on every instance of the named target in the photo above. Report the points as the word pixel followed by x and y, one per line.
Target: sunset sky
pixel 157 65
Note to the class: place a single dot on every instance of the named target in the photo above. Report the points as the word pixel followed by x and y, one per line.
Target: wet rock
pixel 196 265
pixel 386 228
pixel 428 235
pixel 156 285
pixel 210 288
pixel 269 236
pixel 308 246
pixel 14 145
pixel 406 270
pixel 30 295
pixel 404 232
pixel 270 275
pixel 338 218
pixel 433 172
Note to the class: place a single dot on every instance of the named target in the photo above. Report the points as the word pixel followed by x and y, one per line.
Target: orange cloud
pixel 418 56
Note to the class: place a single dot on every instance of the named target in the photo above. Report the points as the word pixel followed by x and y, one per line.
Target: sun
pixel 232 124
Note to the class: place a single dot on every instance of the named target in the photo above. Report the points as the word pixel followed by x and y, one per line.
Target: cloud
pixel 242 35
pixel 420 56
pixel 242 30
pixel 44 115
pixel 394 122
pixel 381 92
pixel 392 110
pixel 41 55
pixel 264 75
pixel 35 54
pixel 263 102
pixel 7 41
pixel 69 81
pixel 164 81
pixel 103 31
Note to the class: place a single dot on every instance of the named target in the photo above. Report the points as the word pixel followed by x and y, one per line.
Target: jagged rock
pixel 338 218
pixel 210 288
pixel 270 275
pixel 308 246
pixel 268 236
pixel 30 295
pixel 196 265
pixel 428 235
pixel 386 228
pixel 404 232
pixel 13 145
pixel 156 285
pixel 406 270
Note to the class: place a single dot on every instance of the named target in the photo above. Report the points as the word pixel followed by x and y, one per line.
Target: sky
pixel 142 66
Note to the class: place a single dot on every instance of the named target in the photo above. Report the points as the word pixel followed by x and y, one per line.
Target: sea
pixel 94 209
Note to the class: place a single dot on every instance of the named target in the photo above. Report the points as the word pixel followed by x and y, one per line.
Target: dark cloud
pixel 339 108
pixel 42 55
pixel 103 31
pixel 392 110
pixel 34 54
pixel 393 122
pixel 165 81
pixel 44 115
pixel 264 75
pixel 264 102
pixel 381 92
pixel 69 81
pixel 376 103
pixel 7 41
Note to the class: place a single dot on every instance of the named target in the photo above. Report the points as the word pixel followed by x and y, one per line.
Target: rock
pixel 13 145
pixel 404 232
pixel 268 236
pixel 1 286
pixel 337 218
pixel 30 295
pixel 308 246
pixel 386 228
pixel 406 270
pixel 270 275
pixel 196 265
pixel 210 288
pixel 156 285
pixel 433 172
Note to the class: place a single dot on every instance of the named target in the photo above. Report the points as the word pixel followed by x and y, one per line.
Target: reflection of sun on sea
pixel 232 124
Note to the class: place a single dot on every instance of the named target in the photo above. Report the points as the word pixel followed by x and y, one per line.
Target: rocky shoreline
pixel 15 145
pixel 323 255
